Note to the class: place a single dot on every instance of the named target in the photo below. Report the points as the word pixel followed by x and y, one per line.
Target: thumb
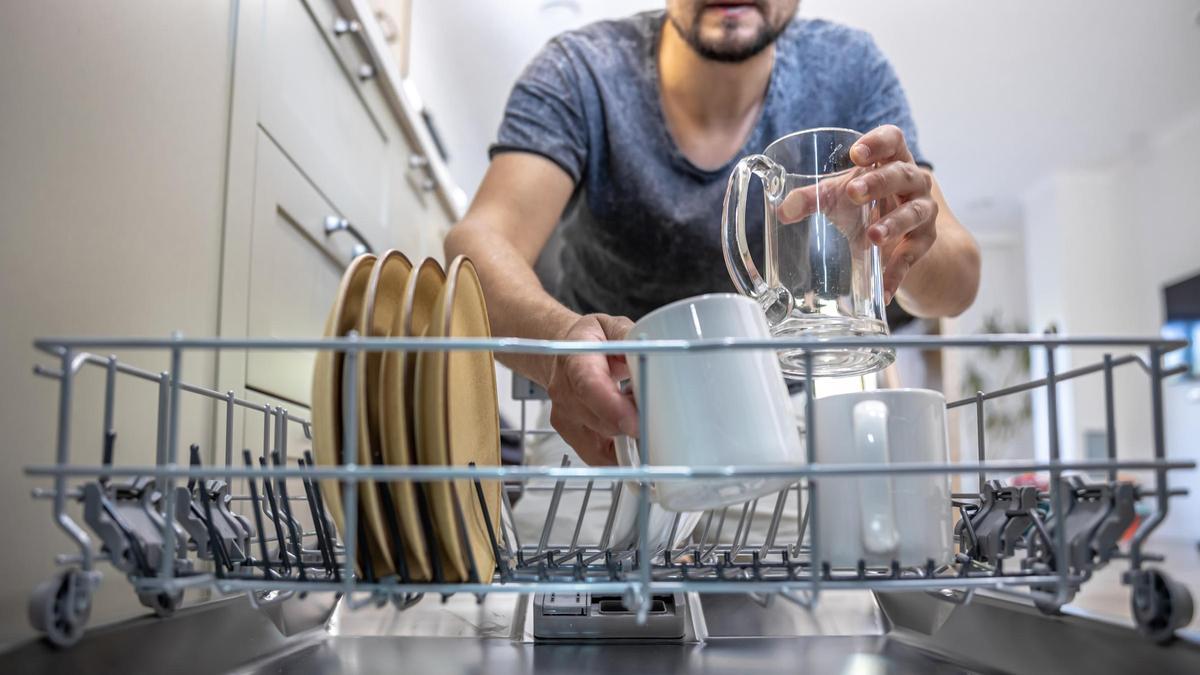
pixel 615 327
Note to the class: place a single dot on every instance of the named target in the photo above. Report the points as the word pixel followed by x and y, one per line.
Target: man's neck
pixel 711 106
pixel 711 92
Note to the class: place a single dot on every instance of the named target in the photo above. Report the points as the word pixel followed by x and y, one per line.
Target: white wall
pixel 1002 92
pixel 1101 244
pixel 1002 294
pixel 466 54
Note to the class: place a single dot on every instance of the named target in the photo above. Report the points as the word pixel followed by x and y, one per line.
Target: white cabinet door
pixel 317 111
pixel 294 272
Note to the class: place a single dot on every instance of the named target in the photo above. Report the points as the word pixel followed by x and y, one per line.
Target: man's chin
pixel 730 50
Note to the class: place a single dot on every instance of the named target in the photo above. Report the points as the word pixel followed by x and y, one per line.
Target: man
pixel 624 132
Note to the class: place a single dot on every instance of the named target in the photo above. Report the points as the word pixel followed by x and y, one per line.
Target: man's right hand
pixel 588 409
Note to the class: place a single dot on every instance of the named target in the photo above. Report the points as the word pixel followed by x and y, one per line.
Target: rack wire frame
pixel 638 573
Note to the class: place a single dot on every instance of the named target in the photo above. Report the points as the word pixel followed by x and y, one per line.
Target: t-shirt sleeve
pixel 545 113
pixel 882 100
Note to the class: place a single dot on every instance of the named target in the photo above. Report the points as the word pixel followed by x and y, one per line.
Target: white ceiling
pixel 1003 92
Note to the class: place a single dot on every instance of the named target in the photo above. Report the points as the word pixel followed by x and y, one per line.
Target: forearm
pixel 518 305
pixel 945 280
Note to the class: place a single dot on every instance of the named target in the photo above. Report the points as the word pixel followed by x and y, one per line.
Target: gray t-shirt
pixel 643 226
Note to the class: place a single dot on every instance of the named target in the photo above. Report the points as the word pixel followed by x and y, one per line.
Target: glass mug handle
pixel 775 301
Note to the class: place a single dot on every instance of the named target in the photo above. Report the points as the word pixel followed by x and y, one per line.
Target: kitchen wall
pixel 1000 305
pixel 1102 241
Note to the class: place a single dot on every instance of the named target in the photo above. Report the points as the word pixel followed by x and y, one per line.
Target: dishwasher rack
pixel 1049 539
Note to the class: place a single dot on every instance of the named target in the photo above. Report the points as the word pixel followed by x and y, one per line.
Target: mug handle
pixel 775 301
pixel 876 497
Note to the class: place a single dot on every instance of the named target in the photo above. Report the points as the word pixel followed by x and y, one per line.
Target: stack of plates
pixel 432 408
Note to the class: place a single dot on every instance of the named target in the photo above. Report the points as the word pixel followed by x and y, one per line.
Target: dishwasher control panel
pixel 605 616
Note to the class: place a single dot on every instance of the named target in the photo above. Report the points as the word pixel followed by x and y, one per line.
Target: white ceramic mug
pixel 712 408
pixel 881 518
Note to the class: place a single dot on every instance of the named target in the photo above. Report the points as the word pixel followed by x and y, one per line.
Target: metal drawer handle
pixel 337 224
pixel 342 26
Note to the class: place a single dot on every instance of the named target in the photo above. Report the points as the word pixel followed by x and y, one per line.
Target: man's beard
pixel 729 53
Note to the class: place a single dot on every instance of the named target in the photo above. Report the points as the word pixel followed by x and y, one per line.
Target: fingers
pixel 619 367
pixel 882 144
pixel 910 216
pixel 897 178
pixel 614 327
pixel 905 254
pixel 591 447
pixel 798 204
pixel 592 382
pixel 588 408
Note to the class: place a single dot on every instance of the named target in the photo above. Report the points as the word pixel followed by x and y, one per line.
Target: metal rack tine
pixel 487 521
pixel 776 516
pixel 606 535
pixel 269 498
pixel 587 495
pixel 252 485
pixel 368 563
pixel 464 539
pixel 194 461
pixel 553 510
pixel 743 527
pixel 281 486
pixel 110 441
pixel 432 543
pixel 221 559
pixel 717 534
pixel 508 523
pixel 110 402
pixel 318 518
pixel 671 537
pixel 392 526
pixel 323 524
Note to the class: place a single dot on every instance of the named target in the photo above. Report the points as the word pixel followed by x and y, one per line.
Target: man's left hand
pixel 905 229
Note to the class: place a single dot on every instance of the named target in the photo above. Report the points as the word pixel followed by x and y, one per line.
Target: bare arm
pixel 516 209
pixel 512 216
pixel 944 281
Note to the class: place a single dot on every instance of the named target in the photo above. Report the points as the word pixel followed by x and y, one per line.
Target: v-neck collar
pixel 753 139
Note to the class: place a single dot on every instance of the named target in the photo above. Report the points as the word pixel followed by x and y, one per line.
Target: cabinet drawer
pixel 315 109
pixel 294 272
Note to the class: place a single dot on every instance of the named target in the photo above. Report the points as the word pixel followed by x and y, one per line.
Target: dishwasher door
pixel 848 632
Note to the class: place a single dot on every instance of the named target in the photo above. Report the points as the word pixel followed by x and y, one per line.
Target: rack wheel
pixel 60 607
pixel 164 604
pixel 1160 605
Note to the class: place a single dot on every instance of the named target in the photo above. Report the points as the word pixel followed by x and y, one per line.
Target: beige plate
pixel 397 382
pixel 327 382
pixel 385 289
pixel 458 422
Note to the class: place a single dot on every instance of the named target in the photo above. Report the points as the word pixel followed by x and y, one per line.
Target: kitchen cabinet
pixel 319 131
pixel 294 272
pixel 170 166
pixel 317 111
pixel 113 133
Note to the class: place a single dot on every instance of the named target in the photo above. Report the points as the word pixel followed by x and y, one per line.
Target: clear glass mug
pixel 823 278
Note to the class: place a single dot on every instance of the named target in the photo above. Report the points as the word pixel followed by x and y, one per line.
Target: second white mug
pixel 879 518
